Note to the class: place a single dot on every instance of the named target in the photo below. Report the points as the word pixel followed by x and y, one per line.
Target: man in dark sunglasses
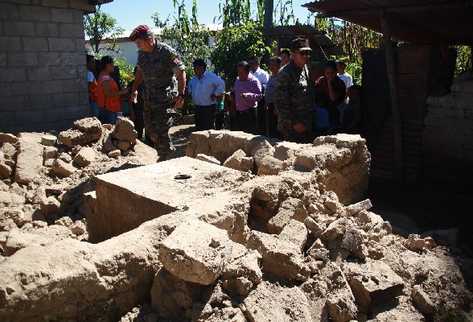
pixel 293 95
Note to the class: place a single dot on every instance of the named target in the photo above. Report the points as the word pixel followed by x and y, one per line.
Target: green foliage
pixel 99 26
pixel 126 71
pixel 185 34
pixel 284 13
pixel 234 12
pixel 464 59
pixel 237 43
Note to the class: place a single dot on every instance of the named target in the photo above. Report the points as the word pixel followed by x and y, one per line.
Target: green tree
pixel 464 59
pixel 99 26
pixel 185 34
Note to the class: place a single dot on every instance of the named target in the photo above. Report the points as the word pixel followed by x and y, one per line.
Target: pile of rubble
pixel 191 240
pixel 43 177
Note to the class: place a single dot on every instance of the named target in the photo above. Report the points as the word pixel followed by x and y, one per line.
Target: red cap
pixel 142 31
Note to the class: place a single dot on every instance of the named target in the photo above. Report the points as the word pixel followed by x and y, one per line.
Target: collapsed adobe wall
pixel 253 248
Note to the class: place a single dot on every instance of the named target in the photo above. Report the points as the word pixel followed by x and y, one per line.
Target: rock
pixel 11 198
pixel 281 258
pixel 417 244
pixel 50 152
pixel 318 251
pixel 144 153
pixel 30 158
pixel 239 161
pixel 48 140
pixel 84 157
pixel 207 158
pixel 286 151
pixel 66 157
pixel 172 297
pixel 295 232
pixel 372 223
pixel 5 171
pixel 270 302
pixel 19 217
pixel 114 153
pixel 125 130
pixel 358 207
pixel 199 143
pixel 335 230
pixel 84 131
pixel 291 208
pixel 49 163
pixel 50 206
pixel 258 148
pixel 123 145
pixel 422 301
pixel 90 125
pixel 314 228
pixel 8 138
pixel 196 252
pixel 372 283
pixel 243 272
pixel 78 228
pixel 8 150
pixel 64 221
pixel 353 241
pixel 62 169
pixel 269 165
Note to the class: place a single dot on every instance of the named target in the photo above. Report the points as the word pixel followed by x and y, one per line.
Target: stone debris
pixel 30 158
pixel 48 140
pixel 62 169
pixel 288 239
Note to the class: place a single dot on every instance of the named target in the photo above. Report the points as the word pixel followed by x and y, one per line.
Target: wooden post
pixel 394 93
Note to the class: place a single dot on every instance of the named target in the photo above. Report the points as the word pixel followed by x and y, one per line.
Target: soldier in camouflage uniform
pixel 293 95
pixel 162 72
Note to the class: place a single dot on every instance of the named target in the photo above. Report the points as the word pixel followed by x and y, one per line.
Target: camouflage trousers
pixel 157 121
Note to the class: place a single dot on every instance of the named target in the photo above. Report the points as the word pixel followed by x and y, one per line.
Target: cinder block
pixel 66 72
pixel 3 59
pixel 78 15
pixel 35 13
pixel 35 44
pixel 80 44
pixel 49 59
pixel 65 99
pixel 22 59
pixel 20 28
pixel 55 3
pixel 61 44
pixel 12 75
pixel 10 43
pixel 8 11
pixel 62 15
pixel 41 101
pixel 14 103
pixel 71 30
pixel 45 29
pixel 38 73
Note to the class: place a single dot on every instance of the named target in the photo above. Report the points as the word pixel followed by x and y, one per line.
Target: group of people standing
pixel 293 102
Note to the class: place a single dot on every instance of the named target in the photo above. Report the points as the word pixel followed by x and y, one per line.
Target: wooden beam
pixel 391 68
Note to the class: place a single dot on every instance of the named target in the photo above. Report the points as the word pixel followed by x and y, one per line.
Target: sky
pixel 131 13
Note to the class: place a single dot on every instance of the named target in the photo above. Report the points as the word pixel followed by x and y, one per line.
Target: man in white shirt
pixel 343 75
pixel 205 88
pixel 263 77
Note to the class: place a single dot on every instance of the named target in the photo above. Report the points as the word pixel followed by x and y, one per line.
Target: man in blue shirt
pixel 206 88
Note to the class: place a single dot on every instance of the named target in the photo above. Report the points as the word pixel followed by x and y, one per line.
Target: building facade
pixel 42 64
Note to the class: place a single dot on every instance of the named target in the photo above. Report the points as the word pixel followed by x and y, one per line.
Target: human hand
pixel 299 128
pixel 179 103
pixel 133 99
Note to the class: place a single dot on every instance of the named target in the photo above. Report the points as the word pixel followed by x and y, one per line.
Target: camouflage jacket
pixel 159 68
pixel 293 97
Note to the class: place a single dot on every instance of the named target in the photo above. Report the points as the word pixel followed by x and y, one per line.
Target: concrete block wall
pixel 42 64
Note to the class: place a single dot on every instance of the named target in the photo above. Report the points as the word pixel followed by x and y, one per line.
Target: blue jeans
pixel 94 109
pixel 108 117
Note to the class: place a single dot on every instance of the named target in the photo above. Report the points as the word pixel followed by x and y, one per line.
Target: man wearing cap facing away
pixel 159 68
pixel 294 94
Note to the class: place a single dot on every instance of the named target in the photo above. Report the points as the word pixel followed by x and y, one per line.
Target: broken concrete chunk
pixel 30 158
pixel 50 206
pixel 269 165
pixel 50 152
pixel 422 301
pixel 335 230
pixel 294 232
pixel 114 153
pixel 199 143
pixel 8 150
pixel 62 169
pixel 358 207
pixel 372 283
pixel 314 228
pixel 8 138
pixel 417 244
pixel 207 158
pixel 125 130
pixel 196 252
pixel 243 273
pixel 354 242
pixel 84 157
pixel 269 303
pixel 11 198
pixel 48 140
pixel 281 258
pixel 66 157
pixel 239 161
pixel 318 251
pixel 291 208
